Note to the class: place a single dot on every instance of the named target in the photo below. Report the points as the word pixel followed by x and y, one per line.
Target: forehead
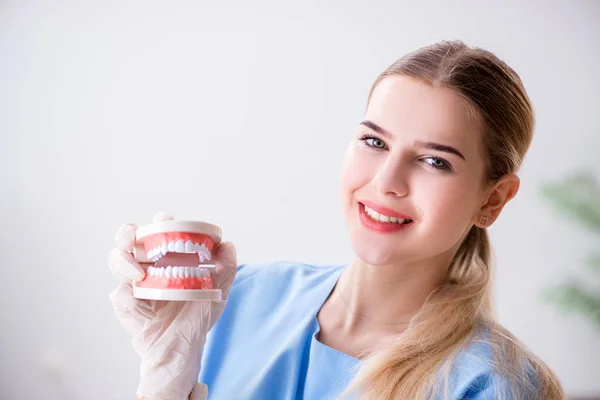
pixel 413 110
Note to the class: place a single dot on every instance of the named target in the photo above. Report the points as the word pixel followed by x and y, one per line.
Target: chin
pixel 371 251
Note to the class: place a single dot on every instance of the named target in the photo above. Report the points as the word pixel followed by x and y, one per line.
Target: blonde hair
pixel 459 313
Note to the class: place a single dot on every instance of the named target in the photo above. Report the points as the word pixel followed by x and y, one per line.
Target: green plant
pixel 578 197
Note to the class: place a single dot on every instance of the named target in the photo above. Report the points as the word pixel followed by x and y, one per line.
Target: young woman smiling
pixel 430 168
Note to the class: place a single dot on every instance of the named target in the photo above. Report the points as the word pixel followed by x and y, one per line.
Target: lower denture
pixel 157 282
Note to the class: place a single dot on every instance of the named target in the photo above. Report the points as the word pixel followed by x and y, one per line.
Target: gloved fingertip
pixel 200 392
pixel 122 264
pixel 227 254
pixel 162 216
pixel 137 275
pixel 125 236
pixel 133 272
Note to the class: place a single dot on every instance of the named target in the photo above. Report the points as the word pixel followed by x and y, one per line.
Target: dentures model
pixel 177 255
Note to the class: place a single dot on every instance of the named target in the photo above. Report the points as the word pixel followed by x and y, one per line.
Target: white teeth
pixel 178 272
pixel 382 218
pixel 156 253
pixel 179 246
pixel 204 253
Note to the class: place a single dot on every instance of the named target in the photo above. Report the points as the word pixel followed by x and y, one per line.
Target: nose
pixel 391 178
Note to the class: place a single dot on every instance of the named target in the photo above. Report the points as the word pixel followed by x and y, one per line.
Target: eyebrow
pixel 419 143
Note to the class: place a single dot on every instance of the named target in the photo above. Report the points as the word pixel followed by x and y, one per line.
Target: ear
pixel 495 199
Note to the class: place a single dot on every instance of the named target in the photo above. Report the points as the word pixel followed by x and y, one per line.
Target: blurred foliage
pixel 577 197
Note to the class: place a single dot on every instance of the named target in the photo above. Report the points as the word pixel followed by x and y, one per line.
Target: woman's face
pixel 417 155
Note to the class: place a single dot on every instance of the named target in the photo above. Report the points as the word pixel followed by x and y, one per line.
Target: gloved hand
pixel 168 335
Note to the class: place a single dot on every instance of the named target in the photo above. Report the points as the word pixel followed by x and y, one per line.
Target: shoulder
pixel 272 294
pixel 283 268
pixel 282 274
pixel 476 375
pixel 278 285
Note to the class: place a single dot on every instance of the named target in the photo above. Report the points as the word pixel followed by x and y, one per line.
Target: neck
pixel 384 297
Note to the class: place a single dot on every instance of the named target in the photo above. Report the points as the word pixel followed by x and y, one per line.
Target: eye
pixel 438 163
pixel 373 142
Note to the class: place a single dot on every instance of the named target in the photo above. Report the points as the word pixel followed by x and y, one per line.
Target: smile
pixel 382 223
pixel 384 218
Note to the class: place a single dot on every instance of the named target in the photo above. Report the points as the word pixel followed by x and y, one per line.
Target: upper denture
pixel 159 244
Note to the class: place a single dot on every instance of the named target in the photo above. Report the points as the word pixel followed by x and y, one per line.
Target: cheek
pixel 355 173
pixel 447 209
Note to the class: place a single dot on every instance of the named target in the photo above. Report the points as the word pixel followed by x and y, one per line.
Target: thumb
pixel 225 267
pixel 162 216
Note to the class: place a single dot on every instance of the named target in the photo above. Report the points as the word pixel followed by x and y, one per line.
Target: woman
pixel 431 166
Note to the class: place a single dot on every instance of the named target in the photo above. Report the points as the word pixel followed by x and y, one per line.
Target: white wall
pixel 239 115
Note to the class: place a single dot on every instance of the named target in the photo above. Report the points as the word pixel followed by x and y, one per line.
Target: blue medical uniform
pixel 264 345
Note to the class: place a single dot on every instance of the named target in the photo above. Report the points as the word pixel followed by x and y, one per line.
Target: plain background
pixel 239 114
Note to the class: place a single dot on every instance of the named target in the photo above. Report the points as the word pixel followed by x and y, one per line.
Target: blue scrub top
pixel 264 345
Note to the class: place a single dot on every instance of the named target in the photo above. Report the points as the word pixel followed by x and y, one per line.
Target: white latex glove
pixel 168 335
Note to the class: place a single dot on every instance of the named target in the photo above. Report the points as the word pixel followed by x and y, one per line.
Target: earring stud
pixel 483 221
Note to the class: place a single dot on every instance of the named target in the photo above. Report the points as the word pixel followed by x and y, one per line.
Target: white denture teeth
pixel 179 246
pixel 177 272
pixel 384 218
